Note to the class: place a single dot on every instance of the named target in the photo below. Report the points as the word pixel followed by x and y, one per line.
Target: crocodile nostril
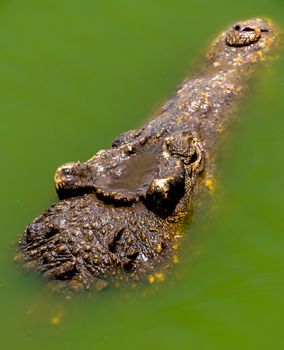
pixel 240 28
pixel 247 29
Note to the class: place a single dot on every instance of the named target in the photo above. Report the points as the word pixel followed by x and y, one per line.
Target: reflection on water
pixel 72 78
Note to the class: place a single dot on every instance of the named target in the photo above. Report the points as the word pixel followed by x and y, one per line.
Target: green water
pixel 73 75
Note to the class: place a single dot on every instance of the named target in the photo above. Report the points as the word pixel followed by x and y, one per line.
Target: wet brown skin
pixel 120 213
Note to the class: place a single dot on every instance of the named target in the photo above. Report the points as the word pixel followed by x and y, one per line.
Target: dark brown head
pixel 117 218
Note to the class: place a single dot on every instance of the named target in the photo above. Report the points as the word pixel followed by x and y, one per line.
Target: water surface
pixel 73 75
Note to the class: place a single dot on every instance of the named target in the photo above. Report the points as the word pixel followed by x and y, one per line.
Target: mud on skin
pixel 120 214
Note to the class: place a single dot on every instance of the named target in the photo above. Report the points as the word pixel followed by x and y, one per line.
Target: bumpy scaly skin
pixel 120 213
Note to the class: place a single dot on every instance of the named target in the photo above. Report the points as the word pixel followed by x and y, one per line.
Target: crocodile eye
pixel 243 35
pixel 164 194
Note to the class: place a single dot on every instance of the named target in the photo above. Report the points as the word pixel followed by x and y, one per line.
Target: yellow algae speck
pixel 151 279
pixel 260 54
pixel 209 183
pixel 175 246
pixel 160 276
pixel 55 320
pixel 175 259
pixel 159 248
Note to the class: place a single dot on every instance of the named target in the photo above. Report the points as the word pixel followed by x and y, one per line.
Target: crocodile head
pixel 119 215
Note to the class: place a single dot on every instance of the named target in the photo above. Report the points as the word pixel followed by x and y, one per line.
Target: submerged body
pixel 120 214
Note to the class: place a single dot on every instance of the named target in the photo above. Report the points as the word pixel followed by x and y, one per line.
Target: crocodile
pixel 120 214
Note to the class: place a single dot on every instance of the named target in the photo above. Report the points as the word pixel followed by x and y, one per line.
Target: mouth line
pixel 78 192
